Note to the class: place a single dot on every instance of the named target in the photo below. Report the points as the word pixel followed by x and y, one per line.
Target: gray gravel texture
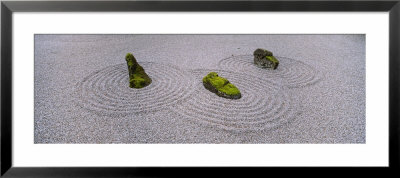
pixel 317 94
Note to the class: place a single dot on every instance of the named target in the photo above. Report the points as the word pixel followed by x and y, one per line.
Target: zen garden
pixel 212 82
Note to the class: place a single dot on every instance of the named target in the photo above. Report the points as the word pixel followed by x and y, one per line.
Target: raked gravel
pixel 317 94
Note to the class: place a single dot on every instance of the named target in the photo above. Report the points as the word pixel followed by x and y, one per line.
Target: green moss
pixel 273 59
pixel 130 59
pixel 229 89
pixel 218 82
pixel 210 76
pixel 137 82
pixel 137 76
pixel 222 86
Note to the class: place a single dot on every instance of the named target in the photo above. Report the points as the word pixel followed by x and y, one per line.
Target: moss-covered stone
pixel 137 76
pixel 262 53
pixel 221 86
pixel 265 59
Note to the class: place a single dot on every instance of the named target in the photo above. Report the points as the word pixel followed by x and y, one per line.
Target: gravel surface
pixel 82 94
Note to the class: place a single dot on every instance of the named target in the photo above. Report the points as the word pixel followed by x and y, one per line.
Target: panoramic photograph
pixel 199 89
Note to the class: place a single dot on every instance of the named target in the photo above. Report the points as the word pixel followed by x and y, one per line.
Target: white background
pixel 373 153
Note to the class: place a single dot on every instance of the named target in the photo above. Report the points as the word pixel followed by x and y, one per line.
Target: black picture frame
pixel 8 7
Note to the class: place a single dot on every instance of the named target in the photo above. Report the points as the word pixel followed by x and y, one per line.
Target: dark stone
pixel 265 59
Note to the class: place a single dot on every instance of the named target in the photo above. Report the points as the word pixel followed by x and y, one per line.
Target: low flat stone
pixel 221 86
pixel 137 76
pixel 265 59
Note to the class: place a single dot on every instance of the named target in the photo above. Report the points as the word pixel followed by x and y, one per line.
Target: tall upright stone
pixel 137 76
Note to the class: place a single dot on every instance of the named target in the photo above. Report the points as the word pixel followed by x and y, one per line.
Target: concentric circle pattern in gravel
pixel 107 91
pixel 263 104
pixel 294 73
